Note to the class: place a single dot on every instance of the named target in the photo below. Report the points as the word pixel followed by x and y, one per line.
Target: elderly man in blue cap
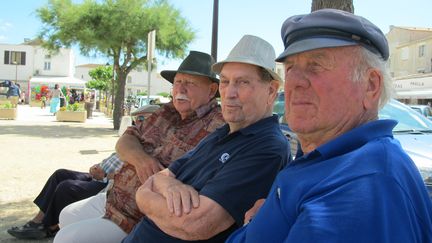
pixel 354 182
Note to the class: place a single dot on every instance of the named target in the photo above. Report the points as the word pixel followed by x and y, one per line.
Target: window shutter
pixel 6 57
pixel 23 58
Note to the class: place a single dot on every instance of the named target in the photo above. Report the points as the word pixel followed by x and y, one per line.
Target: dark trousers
pixel 63 188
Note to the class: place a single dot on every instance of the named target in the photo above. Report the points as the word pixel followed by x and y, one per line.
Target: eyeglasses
pixel 140 118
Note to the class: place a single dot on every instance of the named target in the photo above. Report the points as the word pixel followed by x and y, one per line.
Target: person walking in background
pixel 43 101
pixel 14 93
pixel 14 90
pixel 23 97
pixel 354 182
pixel 55 96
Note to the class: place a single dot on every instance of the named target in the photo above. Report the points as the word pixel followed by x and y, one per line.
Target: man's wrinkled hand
pixel 97 172
pixel 147 168
pixel 181 198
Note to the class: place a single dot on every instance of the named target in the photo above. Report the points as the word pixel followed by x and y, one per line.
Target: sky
pixel 236 18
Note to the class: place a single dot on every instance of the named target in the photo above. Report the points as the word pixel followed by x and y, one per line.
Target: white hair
pixel 367 59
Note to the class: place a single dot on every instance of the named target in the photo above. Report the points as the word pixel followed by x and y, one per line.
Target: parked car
pixel 425 110
pixel 154 100
pixel 279 106
pixel 414 132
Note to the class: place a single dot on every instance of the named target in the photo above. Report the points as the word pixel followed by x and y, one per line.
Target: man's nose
pixel 181 87
pixel 231 91
pixel 296 77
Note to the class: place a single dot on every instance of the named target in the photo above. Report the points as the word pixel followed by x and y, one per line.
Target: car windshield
pixel 408 119
pixel 416 109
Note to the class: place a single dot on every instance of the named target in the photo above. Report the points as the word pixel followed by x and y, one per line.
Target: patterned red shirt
pixel 165 137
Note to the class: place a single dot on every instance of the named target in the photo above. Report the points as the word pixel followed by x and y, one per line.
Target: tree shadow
pixel 69 131
pixel 16 214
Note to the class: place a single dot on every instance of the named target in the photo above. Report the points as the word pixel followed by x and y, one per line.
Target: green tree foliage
pixel 116 29
pixel 164 94
pixel 101 78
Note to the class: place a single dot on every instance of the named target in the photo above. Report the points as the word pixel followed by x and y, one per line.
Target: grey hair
pixel 264 75
pixel 367 59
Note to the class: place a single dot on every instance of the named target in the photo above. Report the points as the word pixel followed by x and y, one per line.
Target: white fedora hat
pixel 252 50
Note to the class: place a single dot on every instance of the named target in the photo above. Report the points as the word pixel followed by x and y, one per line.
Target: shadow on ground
pixel 14 214
pixel 69 131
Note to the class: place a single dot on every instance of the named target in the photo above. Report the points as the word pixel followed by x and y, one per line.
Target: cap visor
pixel 312 44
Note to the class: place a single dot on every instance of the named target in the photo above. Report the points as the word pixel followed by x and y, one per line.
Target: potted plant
pixel 8 111
pixel 73 113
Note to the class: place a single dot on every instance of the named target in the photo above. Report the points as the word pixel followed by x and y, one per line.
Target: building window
pixel 47 66
pixel 47 56
pixel 15 57
pixel 405 53
pixel 138 91
pixel 422 49
pixel 139 69
pixel 129 79
pixel 129 91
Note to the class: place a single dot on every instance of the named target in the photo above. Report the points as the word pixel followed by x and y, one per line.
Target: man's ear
pixel 374 86
pixel 213 89
pixel 273 90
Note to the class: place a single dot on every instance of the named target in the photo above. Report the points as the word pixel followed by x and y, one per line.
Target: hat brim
pixel 170 74
pixel 312 44
pixel 217 67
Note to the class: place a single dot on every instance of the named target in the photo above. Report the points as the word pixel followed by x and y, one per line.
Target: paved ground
pixel 33 147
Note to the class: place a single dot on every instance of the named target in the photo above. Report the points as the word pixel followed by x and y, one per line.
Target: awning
pixel 415 88
pixel 71 82
pixel 415 94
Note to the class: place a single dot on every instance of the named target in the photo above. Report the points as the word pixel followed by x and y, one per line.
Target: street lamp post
pixel 215 29
pixel 16 71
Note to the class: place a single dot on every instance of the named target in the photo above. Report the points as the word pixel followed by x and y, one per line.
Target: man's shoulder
pixel 213 119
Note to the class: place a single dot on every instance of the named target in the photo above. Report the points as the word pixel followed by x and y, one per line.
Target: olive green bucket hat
pixel 196 63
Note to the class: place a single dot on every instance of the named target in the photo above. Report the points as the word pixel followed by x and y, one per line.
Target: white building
pixel 30 65
pixel 411 63
pixel 136 81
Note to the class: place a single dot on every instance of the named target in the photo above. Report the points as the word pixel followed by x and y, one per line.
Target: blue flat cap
pixel 330 28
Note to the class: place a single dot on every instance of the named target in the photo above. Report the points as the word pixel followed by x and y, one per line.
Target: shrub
pixel 74 107
pixel 7 105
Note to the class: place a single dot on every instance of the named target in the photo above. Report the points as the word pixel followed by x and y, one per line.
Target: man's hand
pixel 147 168
pixel 253 211
pixel 97 172
pixel 180 198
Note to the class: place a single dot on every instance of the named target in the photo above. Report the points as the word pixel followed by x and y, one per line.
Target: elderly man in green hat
pixel 163 137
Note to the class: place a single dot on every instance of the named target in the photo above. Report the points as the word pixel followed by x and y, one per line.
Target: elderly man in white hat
pixel 204 194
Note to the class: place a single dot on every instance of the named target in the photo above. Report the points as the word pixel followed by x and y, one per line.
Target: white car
pixel 425 110
pixel 414 131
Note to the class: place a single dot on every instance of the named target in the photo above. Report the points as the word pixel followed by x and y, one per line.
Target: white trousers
pixel 92 207
pixel 82 222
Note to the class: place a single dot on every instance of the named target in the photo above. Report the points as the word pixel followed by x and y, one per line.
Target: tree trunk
pixel 346 5
pixel 119 99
